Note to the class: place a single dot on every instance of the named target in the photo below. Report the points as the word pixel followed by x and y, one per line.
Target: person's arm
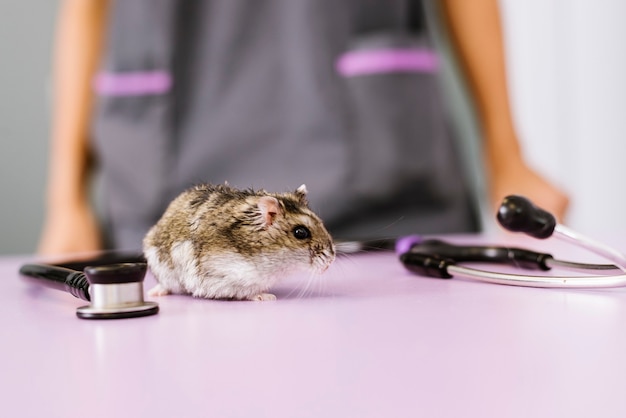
pixel 70 224
pixel 477 35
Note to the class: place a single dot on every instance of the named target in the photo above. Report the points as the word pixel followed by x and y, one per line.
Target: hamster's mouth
pixel 321 262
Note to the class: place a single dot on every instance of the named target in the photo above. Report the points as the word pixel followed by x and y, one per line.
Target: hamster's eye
pixel 301 232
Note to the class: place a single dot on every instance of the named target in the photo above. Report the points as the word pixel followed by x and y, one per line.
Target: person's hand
pixel 72 230
pixel 517 178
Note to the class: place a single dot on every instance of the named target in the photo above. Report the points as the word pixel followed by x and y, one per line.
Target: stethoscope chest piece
pixel 116 292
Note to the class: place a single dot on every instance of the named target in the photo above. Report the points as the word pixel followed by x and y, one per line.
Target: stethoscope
pixel 113 283
pixel 435 258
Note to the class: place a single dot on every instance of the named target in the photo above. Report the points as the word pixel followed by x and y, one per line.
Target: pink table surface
pixel 367 339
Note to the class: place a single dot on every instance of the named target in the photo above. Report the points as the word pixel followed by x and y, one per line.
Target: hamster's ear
pixel 270 210
pixel 301 194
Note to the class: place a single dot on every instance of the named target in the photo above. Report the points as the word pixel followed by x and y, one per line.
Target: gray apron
pixel 340 95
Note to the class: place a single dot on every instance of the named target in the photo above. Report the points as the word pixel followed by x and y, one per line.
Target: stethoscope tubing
pixel 580 282
pixel 440 260
pixel 572 265
pixel 517 214
pixel 568 235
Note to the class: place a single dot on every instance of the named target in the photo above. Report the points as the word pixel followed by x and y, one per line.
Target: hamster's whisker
pixel 304 289
pixel 307 291
pixel 319 286
pixel 348 257
pixel 291 292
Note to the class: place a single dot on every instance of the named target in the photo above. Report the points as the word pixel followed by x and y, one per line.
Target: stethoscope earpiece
pixel 518 214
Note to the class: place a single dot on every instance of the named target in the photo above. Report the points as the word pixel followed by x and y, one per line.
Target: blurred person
pixel 155 96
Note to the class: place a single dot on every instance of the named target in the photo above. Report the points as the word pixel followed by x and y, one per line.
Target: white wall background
pixel 567 67
pixel 567 73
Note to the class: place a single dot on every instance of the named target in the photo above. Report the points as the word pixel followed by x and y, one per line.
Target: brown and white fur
pixel 217 242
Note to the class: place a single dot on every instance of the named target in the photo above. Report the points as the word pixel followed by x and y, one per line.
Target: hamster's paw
pixel 158 290
pixel 263 297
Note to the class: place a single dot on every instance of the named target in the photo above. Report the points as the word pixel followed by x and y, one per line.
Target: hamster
pixel 217 242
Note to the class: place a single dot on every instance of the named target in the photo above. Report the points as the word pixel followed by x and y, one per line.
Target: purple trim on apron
pixel 136 83
pixel 379 61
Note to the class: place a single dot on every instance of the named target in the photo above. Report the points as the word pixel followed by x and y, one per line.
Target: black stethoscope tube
pixel 515 257
pixel 70 277
pixel 59 278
